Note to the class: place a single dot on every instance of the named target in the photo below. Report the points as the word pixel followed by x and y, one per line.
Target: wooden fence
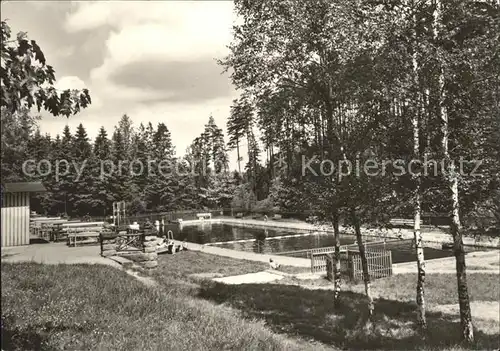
pixel 127 242
pixel 379 264
pixel 344 265
pixel 330 267
pixel 307 253
pixel 318 260
pixel 318 256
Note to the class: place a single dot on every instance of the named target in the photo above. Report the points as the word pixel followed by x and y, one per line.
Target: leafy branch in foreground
pixel 27 80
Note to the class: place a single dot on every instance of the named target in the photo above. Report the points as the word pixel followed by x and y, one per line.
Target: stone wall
pixel 146 258
pixel 108 245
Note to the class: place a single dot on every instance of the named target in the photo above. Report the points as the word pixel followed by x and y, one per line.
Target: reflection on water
pixel 260 240
pixel 293 243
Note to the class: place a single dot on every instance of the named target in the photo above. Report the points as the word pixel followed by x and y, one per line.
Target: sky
pixel 152 60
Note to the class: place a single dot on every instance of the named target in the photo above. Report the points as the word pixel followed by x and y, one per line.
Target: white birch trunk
pixel 452 181
pixel 419 248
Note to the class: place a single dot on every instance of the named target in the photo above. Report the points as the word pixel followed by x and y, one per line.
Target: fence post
pixel 390 263
pixel 348 264
pixel 329 267
pixel 100 242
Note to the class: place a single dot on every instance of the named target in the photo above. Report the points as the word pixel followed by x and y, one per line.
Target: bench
pixel 400 222
pixel 276 216
pixel 79 230
pixel 440 218
pixel 204 215
pixel 46 227
pixel 239 215
pixel 88 235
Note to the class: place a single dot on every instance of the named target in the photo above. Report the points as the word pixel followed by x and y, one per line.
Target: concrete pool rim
pixel 433 237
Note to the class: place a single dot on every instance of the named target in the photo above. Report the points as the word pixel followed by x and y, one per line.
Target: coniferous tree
pixel 39 150
pixel 127 130
pixel 253 159
pixel 119 180
pixel 240 118
pixel 64 175
pixel 102 159
pixel 218 153
pixel 162 187
pixel 83 180
pixel 188 193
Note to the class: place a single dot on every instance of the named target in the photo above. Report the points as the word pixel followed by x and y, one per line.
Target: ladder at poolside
pixel 170 235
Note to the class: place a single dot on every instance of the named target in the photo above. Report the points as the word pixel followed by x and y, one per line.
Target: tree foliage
pixel 27 80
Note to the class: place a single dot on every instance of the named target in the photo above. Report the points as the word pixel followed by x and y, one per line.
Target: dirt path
pixel 477 262
pixel 56 253
pixel 250 278
pixel 60 253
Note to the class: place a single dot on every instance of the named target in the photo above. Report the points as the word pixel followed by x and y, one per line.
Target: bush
pixel 244 199
pixel 137 206
pixel 265 206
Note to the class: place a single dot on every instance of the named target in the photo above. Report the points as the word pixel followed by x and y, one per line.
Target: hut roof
pixel 24 187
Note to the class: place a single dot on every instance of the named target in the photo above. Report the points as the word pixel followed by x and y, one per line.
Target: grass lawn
pixel 92 307
pixel 440 289
pixel 181 269
pixel 192 262
pixel 176 272
pixel 309 314
pixel 476 268
pixel 95 307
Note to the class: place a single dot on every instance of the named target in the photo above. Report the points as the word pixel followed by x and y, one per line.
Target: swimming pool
pixel 263 240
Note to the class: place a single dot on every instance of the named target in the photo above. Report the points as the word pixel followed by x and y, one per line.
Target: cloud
pixel 184 35
pixel 185 81
pixel 93 14
pixel 70 82
pixel 66 52
pixel 90 15
pixel 157 64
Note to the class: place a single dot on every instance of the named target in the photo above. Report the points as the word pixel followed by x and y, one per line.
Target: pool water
pixel 260 240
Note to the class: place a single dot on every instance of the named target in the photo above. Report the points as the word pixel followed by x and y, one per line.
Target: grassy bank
pixel 94 307
pixel 440 289
pixel 87 307
pixel 310 314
